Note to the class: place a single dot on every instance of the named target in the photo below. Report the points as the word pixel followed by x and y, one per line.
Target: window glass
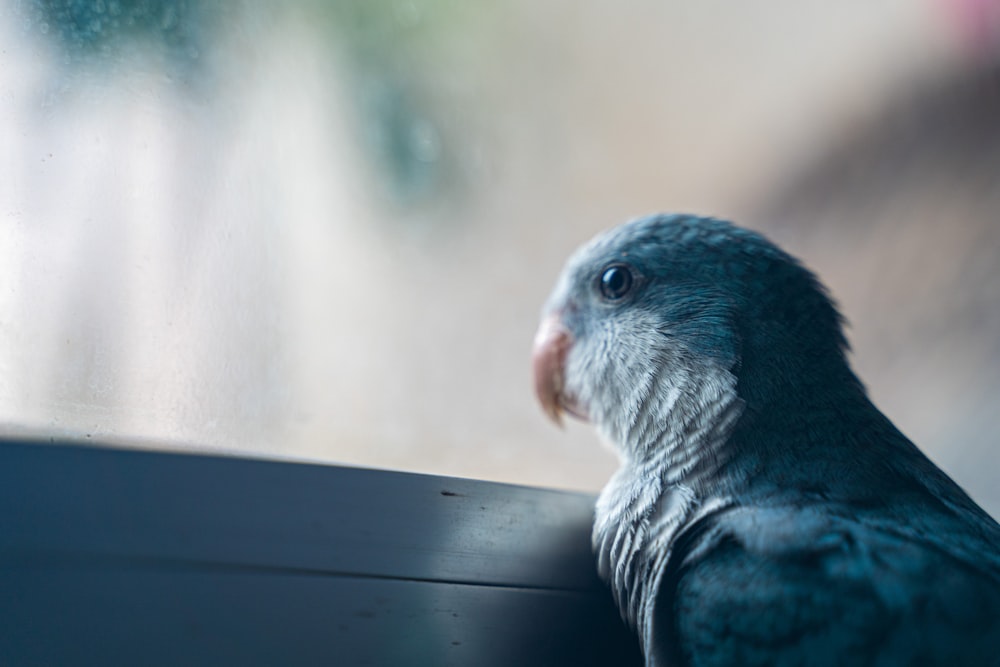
pixel 325 230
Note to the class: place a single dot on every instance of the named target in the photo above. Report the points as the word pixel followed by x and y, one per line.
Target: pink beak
pixel 548 360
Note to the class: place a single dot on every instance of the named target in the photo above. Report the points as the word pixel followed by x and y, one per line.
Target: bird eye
pixel 616 281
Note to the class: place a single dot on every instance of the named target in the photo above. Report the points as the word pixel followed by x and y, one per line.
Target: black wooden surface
pixel 116 557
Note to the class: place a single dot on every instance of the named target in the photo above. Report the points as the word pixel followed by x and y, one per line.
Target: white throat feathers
pixel 676 444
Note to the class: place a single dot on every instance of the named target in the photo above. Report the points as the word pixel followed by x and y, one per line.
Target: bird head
pixel 652 318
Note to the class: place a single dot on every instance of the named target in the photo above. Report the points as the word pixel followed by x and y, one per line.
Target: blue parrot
pixel 764 512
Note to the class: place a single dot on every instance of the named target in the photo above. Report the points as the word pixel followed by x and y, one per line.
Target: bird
pixel 764 511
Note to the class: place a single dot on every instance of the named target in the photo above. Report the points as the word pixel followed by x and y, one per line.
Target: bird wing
pixel 794 586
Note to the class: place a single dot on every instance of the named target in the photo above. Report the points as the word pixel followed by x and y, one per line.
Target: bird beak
pixel 548 360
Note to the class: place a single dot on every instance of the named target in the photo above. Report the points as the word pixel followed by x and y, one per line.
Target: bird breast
pixel 650 499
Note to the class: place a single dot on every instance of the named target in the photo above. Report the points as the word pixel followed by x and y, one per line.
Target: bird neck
pixel 680 421
pixel 669 456
pixel 692 444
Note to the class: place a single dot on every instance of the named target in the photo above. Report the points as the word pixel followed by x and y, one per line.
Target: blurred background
pixel 324 230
